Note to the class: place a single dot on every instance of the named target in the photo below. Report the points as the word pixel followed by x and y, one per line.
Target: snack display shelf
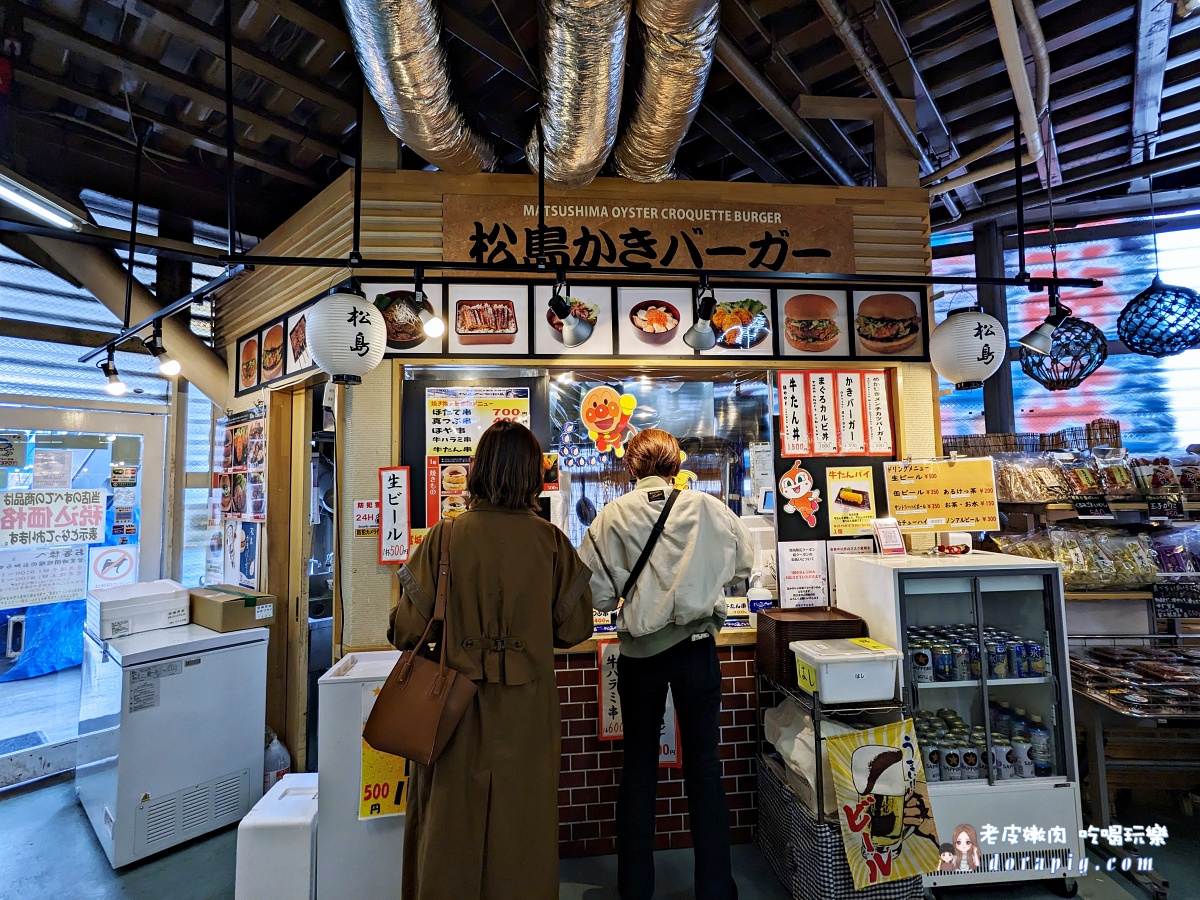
pixel 992 682
pixel 1109 595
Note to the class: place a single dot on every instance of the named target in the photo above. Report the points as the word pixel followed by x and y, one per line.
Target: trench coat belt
pixel 493 645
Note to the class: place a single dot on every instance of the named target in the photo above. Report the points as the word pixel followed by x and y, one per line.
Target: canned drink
pixel 922 663
pixel 970 762
pixel 1018 662
pixel 962 662
pixel 1035 655
pixel 973 665
pixel 1002 760
pixel 947 713
pixel 943 663
pixel 951 760
pixel 1003 721
pixel 1023 762
pixel 931 759
pixel 1042 769
pixel 997 652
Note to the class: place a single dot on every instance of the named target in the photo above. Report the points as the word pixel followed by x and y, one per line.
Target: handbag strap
pixel 655 534
pixel 439 607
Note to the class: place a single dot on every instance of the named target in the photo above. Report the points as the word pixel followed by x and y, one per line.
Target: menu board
pixel 835 413
pixel 238 503
pixel 455 418
pixel 852 504
pixel 943 495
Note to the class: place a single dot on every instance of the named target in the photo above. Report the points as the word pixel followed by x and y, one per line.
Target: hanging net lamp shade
pixel 1162 320
pixel 1079 349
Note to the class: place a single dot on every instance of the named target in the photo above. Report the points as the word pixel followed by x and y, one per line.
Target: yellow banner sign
pixel 383 788
pixel 943 495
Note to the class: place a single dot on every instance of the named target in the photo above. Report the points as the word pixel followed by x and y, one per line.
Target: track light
pixel 1041 339
pixel 701 335
pixel 575 330
pixel 19 193
pixel 115 386
pixel 166 364
pixel 431 322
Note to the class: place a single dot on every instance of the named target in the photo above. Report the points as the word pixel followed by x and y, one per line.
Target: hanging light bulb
pixel 575 330
pixel 115 386
pixel 167 365
pixel 431 323
pixel 701 335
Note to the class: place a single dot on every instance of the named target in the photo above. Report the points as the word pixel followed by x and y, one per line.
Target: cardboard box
pixel 227 608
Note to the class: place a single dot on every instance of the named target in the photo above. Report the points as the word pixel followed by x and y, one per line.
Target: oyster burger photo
pixel 887 323
pixel 809 322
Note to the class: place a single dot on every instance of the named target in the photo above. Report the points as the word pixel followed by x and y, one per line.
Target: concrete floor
pixel 50 853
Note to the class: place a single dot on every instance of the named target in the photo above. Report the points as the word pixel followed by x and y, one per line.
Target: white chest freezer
pixel 170 735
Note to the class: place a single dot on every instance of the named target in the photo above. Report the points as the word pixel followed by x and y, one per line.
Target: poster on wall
pixel 111 566
pixel 883 804
pixel 488 319
pixel 888 323
pixel 803 578
pixel 51 469
pixel 239 476
pixel 878 412
pixel 44 518
pixel 653 321
pixel 13 447
pixel 383 778
pixel 297 357
pixel 852 439
pixel 402 315
pixel 394 500
pixel 42 575
pixel 852 503
pixel 247 363
pixel 214 555
pixel 815 324
pixel 612 726
pixel 273 344
pixel 591 303
pixel 862 546
pixel 455 418
pixel 366 518
pixel 743 323
pixel 943 495
pixel 793 414
pixel 843 412
pixel 822 408
pixel 242 550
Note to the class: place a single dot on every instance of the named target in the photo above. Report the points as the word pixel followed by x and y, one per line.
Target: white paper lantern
pixel 346 335
pixel 968 348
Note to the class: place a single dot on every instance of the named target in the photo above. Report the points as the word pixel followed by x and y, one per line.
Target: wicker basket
pixel 779 627
pixel 809 858
pixel 1096 433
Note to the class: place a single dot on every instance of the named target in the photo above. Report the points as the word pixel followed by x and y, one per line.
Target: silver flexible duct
pixel 678 38
pixel 398 45
pixel 583 64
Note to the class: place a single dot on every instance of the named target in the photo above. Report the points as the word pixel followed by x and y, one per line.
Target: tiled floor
pixel 50 853
pixel 49 703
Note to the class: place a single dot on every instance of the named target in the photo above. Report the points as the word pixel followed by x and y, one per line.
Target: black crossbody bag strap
pixel 655 534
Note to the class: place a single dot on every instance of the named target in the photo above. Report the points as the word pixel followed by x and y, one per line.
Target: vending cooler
pixel 170 735
pixel 983 638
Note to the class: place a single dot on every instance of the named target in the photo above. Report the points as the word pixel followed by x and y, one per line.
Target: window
pixel 197 484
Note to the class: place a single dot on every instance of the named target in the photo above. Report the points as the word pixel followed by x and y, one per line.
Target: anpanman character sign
pixel 606 415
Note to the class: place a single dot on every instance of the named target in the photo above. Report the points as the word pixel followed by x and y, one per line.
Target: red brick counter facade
pixel 591 768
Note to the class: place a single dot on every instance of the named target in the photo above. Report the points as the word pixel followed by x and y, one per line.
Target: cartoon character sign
pixel 966 849
pixel 796 486
pixel 606 415
pixel 946 854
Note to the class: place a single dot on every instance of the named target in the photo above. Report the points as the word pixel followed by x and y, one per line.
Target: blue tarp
pixel 53 638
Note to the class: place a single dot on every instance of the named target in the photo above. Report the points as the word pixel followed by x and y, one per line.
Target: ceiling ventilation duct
pixel 398 44
pixel 583 63
pixel 678 37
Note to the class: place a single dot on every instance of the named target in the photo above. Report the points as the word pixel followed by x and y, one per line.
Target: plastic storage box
pixel 133 608
pixel 777 628
pixel 855 670
pixel 277 843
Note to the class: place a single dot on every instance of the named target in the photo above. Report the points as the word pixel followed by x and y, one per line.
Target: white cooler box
pixel 133 608
pixel 849 670
pixel 277 843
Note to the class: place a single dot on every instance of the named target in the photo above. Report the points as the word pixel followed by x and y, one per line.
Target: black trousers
pixel 693 673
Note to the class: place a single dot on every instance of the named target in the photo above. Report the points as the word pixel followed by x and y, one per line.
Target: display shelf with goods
pixel 985 654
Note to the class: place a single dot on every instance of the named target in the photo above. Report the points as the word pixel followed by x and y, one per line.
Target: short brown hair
pixel 507 467
pixel 653 452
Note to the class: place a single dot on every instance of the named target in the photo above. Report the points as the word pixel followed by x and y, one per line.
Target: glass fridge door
pixel 944 679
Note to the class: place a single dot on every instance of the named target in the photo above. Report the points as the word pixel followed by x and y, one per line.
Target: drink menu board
pixel 943 494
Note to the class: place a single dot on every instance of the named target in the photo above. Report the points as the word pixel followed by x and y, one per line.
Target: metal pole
pixel 133 217
pixel 541 250
pixel 358 167
pixel 1021 273
pixel 230 181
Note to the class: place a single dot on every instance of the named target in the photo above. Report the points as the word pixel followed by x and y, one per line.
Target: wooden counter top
pixel 729 637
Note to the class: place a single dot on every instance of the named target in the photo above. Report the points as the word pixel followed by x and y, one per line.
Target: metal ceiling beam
pixel 73 93
pixel 724 133
pixel 745 73
pixel 68 36
pixel 246 56
pixel 334 36
pixel 462 27
pixel 1149 67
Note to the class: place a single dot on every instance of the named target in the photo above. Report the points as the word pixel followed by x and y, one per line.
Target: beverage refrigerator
pixel 985 673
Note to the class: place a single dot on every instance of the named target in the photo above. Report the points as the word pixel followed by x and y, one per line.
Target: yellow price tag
pixel 869 644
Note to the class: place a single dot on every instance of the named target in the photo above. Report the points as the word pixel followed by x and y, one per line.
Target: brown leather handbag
pixel 422 701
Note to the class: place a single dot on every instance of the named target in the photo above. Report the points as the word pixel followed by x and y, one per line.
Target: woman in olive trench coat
pixel 483 820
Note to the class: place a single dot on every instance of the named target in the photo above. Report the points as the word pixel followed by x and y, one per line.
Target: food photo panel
pixel 889 323
pixel 589 302
pixel 653 321
pixel 742 323
pixel 247 363
pixel 272 338
pixel 813 323
pixel 296 355
pixel 406 330
pixel 488 319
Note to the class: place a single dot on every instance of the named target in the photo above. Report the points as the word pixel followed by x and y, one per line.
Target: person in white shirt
pixel 667 624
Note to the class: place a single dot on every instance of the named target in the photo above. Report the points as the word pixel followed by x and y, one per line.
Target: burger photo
pixel 454 478
pixel 272 353
pixel 453 507
pixel 809 323
pixel 249 363
pixel 887 323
